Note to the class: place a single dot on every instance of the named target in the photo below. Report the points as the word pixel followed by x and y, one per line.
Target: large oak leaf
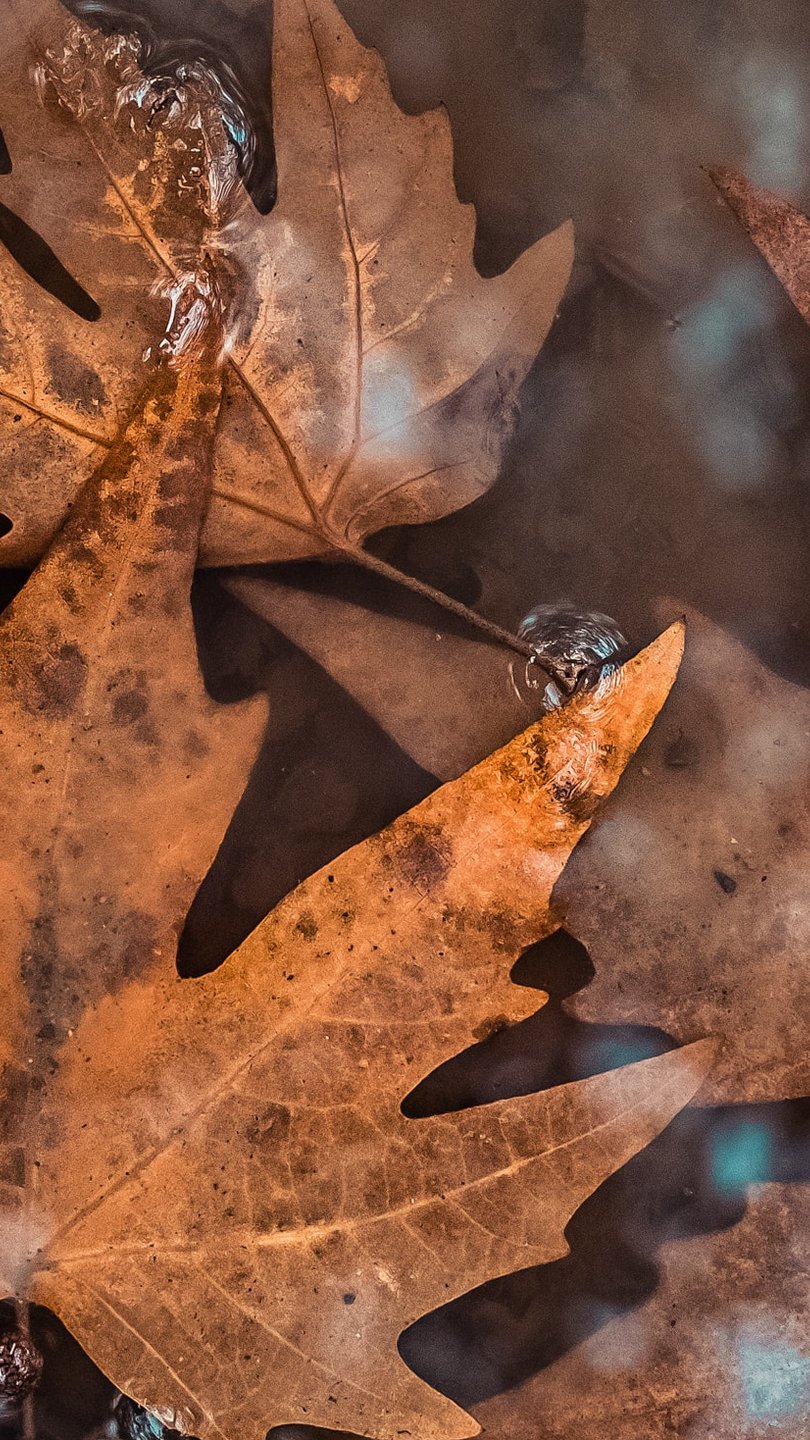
pixel 373 372
pixel 225 1202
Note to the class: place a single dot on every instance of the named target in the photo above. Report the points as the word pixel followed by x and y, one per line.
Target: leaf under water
pixel 373 373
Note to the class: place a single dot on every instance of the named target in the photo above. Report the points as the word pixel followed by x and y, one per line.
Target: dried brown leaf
pixel 225 1202
pixel 778 229
pixel 373 372
pixel 119 773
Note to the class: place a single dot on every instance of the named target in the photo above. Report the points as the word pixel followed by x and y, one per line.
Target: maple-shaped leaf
pixel 373 372
pixel 224 1200
pixel 780 231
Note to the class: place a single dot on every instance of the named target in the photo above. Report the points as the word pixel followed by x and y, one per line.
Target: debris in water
pixel 726 882
pixel 167 55
pixel 681 753
pixel 194 304
pixel 134 1422
pixel 20 1366
pixel 193 147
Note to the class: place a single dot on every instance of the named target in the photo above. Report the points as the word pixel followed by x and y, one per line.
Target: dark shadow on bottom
pixel 550 1048
pixel 327 777
pixel 691 1181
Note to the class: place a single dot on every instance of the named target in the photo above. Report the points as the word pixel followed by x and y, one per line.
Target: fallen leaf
pixel 638 1376
pixel 373 372
pixel 686 955
pixel 727 789
pixel 226 1204
pixel 119 773
pixel 778 229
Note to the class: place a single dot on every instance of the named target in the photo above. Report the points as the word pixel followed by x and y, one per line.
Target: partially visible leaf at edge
pixel 374 374
pixel 780 231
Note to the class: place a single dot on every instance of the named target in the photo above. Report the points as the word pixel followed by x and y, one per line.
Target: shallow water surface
pixel 660 462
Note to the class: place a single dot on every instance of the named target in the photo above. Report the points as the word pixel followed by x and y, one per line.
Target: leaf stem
pixel 438 597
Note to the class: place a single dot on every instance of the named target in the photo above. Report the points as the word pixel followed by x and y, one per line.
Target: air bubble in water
pixel 577 648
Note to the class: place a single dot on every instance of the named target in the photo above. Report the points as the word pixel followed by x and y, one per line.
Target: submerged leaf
pixel 373 372
pixel 778 229
pixel 231 1211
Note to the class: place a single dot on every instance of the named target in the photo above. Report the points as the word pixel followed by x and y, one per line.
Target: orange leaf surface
pixel 217 1189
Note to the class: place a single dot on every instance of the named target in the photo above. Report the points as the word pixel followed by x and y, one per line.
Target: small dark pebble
pixel 726 882
pixel 20 1366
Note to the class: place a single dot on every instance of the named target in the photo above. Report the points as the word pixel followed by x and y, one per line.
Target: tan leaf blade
pixel 249 1222
pixel 778 229
pixel 374 374
pixel 119 773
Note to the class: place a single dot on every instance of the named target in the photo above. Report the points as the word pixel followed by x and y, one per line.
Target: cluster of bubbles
pixel 196 126
pixel 173 76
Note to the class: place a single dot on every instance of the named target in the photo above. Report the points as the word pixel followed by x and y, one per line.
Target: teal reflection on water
pixel 775 1379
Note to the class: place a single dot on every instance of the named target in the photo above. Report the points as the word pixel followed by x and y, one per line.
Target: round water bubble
pixel 577 648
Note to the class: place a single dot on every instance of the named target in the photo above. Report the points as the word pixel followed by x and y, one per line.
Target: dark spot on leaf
pixel 173 518
pixel 349 1298
pixel 84 555
pixel 581 805
pixel 135 938
pixel 490 1027
pixel 502 927
pixel 195 747
pixel 270 1127
pixel 71 380
pixel 59 681
pixel 307 926
pixel 70 598
pixel 425 857
pixel 130 706
pixel 14 1084
pixel 146 733
pixel 12 1166
pixel 173 483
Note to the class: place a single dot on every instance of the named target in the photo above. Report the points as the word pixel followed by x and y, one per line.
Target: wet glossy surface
pixel 660 462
